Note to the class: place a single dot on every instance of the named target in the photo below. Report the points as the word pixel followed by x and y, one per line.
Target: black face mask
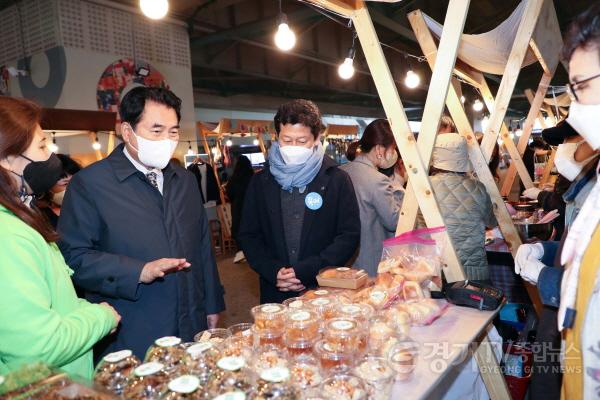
pixel 42 175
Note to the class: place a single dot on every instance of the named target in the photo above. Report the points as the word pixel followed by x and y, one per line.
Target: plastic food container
pixel 306 372
pixel 357 311
pixel 302 326
pixel 378 377
pixel 269 319
pixel 343 277
pixel 382 337
pixel 242 332
pixel 231 376
pixel 263 338
pixel 324 307
pixel 275 383
pixel 185 387
pixel 167 351
pixel 403 358
pixel 115 370
pixel 266 358
pixel 332 361
pixel 201 360
pixel 149 383
pixel 217 336
pixel 343 335
pixel 295 303
pixel 344 387
pixel 232 395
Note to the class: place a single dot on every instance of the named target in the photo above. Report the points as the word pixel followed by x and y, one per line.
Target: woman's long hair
pixel 376 133
pixel 19 119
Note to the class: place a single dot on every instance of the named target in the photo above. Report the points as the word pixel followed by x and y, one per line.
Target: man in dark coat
pixel 134 231
pixel 300 213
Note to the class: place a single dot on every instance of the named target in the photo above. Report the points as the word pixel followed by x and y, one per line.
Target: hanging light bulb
pixel 463 99
pixel 215 151
pixel 154 9
pixel 477 105
pixel 500 142
pixel 255 142
pixel 285 38
pixel 190 151
pixel 519 132
pixel 228 143
pixel 412 80
pixel 512 136
pixel 96 145
pixel 346 69
pixel 52 146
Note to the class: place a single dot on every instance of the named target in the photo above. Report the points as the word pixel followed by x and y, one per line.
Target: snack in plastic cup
pixel 115 370
pixel 378 376
pixel 344 387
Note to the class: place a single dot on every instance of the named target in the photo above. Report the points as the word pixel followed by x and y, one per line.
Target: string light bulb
pixel 255 142
pixel 285 38
pixel 477 105
pixel 500 142
pixel 96 145
pixel 154 9
pixel 346 69
pixel 512 136
pixel 190 151
pixel 412 79
pixel 484 123
pixel 463 99
pixel 229 143
pixel 52 146
pixel 519 132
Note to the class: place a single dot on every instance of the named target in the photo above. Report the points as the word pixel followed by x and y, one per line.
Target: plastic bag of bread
pixel 416 255
pixel 423 312
pixel 386 289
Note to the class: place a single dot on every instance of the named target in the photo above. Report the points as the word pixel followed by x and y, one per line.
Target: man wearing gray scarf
pixel 300 213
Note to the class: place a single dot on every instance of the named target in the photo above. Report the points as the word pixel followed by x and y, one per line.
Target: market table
pixel 443 349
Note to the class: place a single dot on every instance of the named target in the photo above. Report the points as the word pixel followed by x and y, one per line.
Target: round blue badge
pixel 313 201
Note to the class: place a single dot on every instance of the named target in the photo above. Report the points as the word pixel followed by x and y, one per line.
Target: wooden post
pixel 511 73
pixel 480 165
pixel 111 142
pixel 534 112
pixel 548 169
pixel 407 145
pixel 436 96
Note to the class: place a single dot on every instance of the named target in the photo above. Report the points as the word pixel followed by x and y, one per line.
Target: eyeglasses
pixel 572 87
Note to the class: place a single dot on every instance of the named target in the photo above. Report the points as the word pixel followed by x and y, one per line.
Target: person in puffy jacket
pixel 464 202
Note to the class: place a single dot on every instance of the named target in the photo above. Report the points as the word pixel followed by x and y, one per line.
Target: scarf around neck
pixel 295 176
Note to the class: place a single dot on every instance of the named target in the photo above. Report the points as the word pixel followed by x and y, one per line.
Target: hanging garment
pixel 207 182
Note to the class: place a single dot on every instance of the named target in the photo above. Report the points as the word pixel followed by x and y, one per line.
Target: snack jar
pixel 324 307
pixel 115 370
pixel 201 360
pixel 403 358
pixel 185 387
pixel 305 371
pixel 295 303
pixel 269 319
pixel 343 335
pixel 275 383
pixel 231 375
pixel 168 351
pixel 344 387
pixel 332 361
pixel 217 336
pixel 149 382
pixel 378 376
pixel 241 332
pixel 301 331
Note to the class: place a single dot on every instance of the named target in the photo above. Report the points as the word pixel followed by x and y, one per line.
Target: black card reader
pixel 475 295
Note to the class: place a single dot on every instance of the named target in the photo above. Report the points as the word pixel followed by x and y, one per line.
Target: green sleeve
pixel 31 328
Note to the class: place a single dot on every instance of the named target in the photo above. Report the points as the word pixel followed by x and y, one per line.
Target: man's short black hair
pixel 584 32
pixel 299 111
pixel 132 105
pixel 70 166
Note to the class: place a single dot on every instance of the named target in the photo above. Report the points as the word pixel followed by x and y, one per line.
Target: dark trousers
pixel 546 376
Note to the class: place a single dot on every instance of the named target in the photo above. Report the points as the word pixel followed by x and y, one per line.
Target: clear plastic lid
pixel 269 317
pixel 168 351
pixel 344 387
pixel 149 382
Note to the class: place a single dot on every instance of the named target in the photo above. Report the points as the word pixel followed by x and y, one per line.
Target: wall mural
pixel 121 74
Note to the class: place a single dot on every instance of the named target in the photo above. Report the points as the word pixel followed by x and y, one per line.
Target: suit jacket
pixel 330 235
pixel 112 222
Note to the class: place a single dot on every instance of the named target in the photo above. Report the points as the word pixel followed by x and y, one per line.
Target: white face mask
pixel 155 153
pixel 584 119
pixel 390 160
pixel 295 155
pixel 57 198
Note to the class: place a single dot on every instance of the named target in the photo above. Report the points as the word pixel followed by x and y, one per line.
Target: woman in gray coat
pixel 379 202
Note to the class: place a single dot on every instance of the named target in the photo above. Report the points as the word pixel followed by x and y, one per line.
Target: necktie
pixel 152 179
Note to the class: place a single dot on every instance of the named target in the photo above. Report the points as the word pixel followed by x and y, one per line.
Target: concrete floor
pixel 241 291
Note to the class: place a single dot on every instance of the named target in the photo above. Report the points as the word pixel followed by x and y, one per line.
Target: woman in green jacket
pixel 41 318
